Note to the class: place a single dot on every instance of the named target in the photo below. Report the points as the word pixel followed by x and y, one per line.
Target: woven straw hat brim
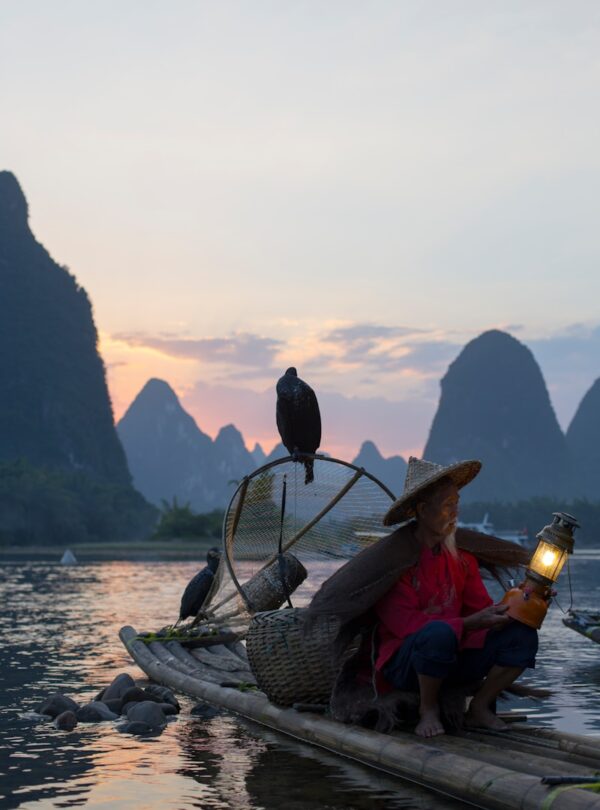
pixel 461 473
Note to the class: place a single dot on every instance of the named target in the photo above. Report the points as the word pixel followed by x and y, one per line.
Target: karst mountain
pixel 390 471
pixel 494 406
pixel 583 440
pixel 170 457
pixel 54 403
pixel 63 472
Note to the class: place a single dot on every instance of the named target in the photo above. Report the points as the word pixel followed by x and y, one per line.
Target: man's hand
pixel 492 616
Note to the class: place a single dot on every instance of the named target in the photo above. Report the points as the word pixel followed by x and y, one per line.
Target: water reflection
pixel 59 630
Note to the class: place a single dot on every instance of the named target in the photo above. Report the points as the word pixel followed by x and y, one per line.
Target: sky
pixel 354 188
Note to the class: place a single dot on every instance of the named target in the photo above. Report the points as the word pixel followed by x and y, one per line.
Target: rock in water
pixel 95 712
pixel 138 728
pixel 134 694
pixel 162 694
pixel 66 721
pixel 495 407
pixel 120 684
pixel 168 709
pixel 115 705
pixel 147 712
pixel 56 704
pixel 205 711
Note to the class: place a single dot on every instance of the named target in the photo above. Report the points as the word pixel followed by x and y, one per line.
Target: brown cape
pixel 366 578
pixel 351 593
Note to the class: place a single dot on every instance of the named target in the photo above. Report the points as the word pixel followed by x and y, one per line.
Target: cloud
pixel 243 349
pixel 381 349
pixel 116 364
pixel 354 358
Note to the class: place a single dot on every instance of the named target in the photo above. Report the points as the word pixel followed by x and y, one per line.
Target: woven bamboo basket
pixel 292 666
pixel 267 591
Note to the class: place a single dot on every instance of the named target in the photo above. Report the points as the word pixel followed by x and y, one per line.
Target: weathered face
pixel 438 512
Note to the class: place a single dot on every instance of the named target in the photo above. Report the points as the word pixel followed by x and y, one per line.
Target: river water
pixel 59 630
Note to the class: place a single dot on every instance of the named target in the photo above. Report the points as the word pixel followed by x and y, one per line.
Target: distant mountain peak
pixel 494 406
pixel 14 211
pixel 369 449
pixel 229 433
pixel 258 454
pixel 390 471
pixel 158 392
pixel 170 456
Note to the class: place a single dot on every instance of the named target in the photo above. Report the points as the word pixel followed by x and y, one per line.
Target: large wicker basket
pixel 292 666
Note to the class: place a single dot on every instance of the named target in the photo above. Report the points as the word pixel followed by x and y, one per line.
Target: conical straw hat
pixel 421 474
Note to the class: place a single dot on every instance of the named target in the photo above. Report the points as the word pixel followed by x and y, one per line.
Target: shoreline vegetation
pixel 44 511
pixel 141 551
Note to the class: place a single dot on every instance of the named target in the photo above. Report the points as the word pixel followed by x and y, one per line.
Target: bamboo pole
pixel 507 741
pixel 228 670
pixel 560 736
pixel 538 762
pixel 170 661
pixel 230 655
pixel 425 762
pixel 226 666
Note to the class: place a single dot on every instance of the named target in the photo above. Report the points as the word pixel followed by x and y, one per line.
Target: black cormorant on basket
pixel 298 419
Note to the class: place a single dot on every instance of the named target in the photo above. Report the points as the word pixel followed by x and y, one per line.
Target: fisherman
pixel 435 621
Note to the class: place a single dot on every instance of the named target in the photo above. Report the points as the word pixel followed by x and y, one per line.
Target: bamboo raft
pixel 586 622
pixel 485 769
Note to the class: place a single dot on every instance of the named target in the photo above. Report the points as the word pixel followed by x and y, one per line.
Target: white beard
pixel 449 543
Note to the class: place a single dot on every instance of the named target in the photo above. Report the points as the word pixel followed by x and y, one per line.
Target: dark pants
pixel 433 651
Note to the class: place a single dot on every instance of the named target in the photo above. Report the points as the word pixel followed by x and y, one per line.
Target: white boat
pixel 519 536
pixel 68 558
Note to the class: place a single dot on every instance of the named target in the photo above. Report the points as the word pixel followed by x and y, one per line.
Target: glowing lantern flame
pixel 549 557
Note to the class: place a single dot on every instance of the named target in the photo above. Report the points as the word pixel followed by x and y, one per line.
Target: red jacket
pixel 440 587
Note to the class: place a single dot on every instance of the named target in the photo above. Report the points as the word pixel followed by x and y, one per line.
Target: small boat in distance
pixel 519 536
pixel 68 558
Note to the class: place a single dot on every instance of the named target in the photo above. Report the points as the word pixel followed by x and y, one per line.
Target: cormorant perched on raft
pixel 199 586
pixel 298 418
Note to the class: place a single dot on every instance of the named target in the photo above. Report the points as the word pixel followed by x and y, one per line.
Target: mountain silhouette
pixel 495 407
pixel 278 451
pixel 583 441
pixel 258 454
pixel 390 471
pixel 55 409
pixel 232 459
pixel 170 457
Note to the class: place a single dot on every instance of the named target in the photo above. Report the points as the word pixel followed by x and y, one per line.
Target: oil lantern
pixel 528 603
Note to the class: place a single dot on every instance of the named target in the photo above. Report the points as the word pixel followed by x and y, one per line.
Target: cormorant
pixel 199 586
pixel 298 418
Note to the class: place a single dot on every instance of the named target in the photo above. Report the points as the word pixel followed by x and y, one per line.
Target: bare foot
pixel 430 724
pixel 483 717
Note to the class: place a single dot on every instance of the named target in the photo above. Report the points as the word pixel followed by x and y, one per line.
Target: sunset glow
pixel 230 214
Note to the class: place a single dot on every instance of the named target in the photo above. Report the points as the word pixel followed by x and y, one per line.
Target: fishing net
pixel 283 537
